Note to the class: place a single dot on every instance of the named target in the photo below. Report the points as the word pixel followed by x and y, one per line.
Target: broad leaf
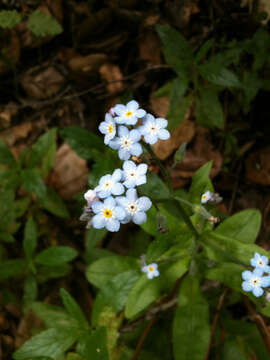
pixel 243 226
pixel 10 268
pixel 219 75
pixel 54 204
pixel 42 24
pixel 73 309
pixel 104 269
pixel 85 143
pixel 209 111
pixel 93 346
pixel 33 183
pixel 157 248
pixel 6 156
pixel 200 183
pixel 56 255
pixel 30 290
pixel 9 18
pixel 191 328
pixel 50 343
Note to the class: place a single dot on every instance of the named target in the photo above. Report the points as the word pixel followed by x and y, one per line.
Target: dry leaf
pixel 149 48
pixel 258 167
pixel 6 114
pixel 160 105
pixel 18 132
pixel 110 72
pixel 43 84
pixel 70 173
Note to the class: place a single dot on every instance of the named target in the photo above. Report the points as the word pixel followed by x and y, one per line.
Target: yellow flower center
pixel 110 129
pixel 129 113
pixel 107 185
pixel 107 213
pixel 151 268
pixel 204 197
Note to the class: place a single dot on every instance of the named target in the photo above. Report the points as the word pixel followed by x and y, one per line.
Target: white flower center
pixel 260 263
pixel 132 175
pixel 125 142
pixel 256 281
pixel 153 129
pixel 132 208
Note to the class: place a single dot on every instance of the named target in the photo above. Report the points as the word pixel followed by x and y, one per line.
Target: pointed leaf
pixel 30 237
pixel 73 309
pixel 56 255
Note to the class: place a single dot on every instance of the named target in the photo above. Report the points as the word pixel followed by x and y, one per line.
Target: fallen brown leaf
pixel 70 173
pixel 258 167
pixel 110 72
pixel 149 48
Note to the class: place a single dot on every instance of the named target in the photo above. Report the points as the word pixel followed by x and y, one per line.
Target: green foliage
pixel 56 255
pixel 42 24
pixel 9 18
pixel 30 238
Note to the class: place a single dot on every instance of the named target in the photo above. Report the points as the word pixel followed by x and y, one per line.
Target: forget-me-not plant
pixel 110 185
pixel 151 270
pixel 134 175
pixel 134 207
pixel 127 143
pixel 260 262
pixel 108 214
pixel 128 114
pixel 108 128
pixel 254 281
pixel 153 129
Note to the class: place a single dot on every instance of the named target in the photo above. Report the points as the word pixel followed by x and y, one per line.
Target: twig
pixel 259 321
pixel 215 320
pixel 142 339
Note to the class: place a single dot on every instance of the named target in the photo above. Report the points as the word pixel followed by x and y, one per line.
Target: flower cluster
pixel 213 198
pixel 107 205
pixel 255 280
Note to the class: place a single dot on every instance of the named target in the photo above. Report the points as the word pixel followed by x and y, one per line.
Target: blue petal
pixel 132 105
pixel 257 291
pixel 122 200
pixel 144 269
pixel 136 149
pixel 161 123
pixel 123 154
pixel 117 189
pixel 119 212
pixel 246 275
pixel 119 109
pixel 103 127
pixel 131 120
pixel 141 180
pixel 129 165
pixel 109 202
pixel 135 135
pixel 150 139
pixel 104 193
pixel 253 262
pixel 120 119
pixel 140 113
pixel 114 144
pixel 126 219
pixel 130 184
pixel 265 259
pixel 246 286
pixel 104 179
pixel 112 225
pixel 258 272
pixel 123 131
pixel 98 221
pixel 117 175
pixel 97 206
pixel 265 281
pixel 108 118
pixel 142 169
pixel 139 218
pixel 131 195
pixel 164 134
pixel 144 203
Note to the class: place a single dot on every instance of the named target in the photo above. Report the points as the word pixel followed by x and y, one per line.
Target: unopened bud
pixel 90 196
pixel 267 296
pixel 111 111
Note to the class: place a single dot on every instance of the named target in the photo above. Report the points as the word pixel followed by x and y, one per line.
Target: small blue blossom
pixel 134 207
pixel 260 262
pixel 254 281
pixel 108 128
pixel 108 214
pixel 128 114
pixel 151 270
pixel 110 185
pixel 153 129
pixel 134 175
pixel 127 143
pixel 206 197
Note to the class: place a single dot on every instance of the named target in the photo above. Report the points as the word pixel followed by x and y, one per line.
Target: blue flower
pixel 128 114
pixel 153 129
pixel 108 128
pixel 108 214
pixel 254 281
pixel 127 143
pixel 134 207
pixel 134 175
pixel 151 270
pixel 260 262
pixel 206 197
pixel 109 184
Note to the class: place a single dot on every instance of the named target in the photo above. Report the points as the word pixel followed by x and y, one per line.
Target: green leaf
pixel 9 18
pixel 219 75
pixel 164 90
pixel 209 111
pixel 41 148
pixel 33 183
pixel 104 269
pixel 10 268
pixel 156 249
pixel 54 204
pixel 56 255
pixel 204 50
pixel 7 214
pixel 191 328
pixel 114 293
pixel 85 143
pixel 73 309
pixel 93 237
pixel 176 49
pixel 243 226
pixel 20 206
pixel 42 24
pixel 232 350
pixel 177 115
pixel 6 156
pixel 200 183
pixel 106 166
pixel 50 343
pixel 53 316
pixel 155 188
pixel 30 291
pixel 30 237
pixel 6 237
pixel 94 346
pixel 45 273
pixel 221 248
